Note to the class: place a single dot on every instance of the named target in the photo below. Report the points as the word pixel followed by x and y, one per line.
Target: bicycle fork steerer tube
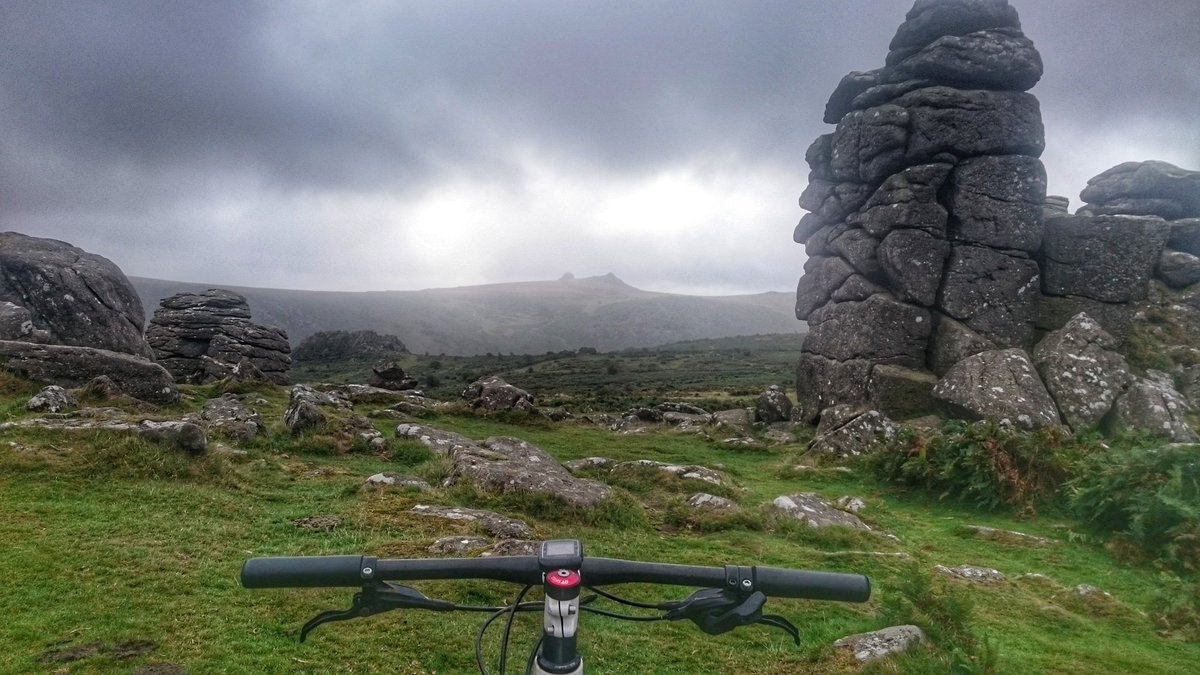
pixel 560 619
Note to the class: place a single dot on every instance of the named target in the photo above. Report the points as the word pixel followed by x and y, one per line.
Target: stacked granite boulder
pixel 204 337
pixel 1140 221
pixel 926 208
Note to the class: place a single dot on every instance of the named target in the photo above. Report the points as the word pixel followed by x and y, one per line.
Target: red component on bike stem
pixel 563 579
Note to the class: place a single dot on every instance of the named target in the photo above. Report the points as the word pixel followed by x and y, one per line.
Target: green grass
pixel 109 540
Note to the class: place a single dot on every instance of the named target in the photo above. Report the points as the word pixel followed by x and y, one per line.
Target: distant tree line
pixel 341 345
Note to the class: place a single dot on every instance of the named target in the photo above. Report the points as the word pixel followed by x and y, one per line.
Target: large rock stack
pixel 925 207
pixel 203 337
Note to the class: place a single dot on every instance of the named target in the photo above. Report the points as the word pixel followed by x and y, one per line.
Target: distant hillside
pixel 521 318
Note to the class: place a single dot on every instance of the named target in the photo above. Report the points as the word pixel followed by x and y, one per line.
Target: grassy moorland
pixel 121 555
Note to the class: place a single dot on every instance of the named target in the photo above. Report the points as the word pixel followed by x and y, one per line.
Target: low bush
pixel 1149 498
pixel 985 464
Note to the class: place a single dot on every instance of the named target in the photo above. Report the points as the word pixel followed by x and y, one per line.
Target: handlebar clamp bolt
pixel 367 571
pixel 746 583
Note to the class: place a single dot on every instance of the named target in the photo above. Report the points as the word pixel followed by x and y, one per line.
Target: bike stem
pixel 560 621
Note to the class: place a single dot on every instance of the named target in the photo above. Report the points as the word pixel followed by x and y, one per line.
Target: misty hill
pixel 523 318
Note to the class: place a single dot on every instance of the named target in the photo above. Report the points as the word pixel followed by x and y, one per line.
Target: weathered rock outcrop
pixel 933 249
pixel 78 298
pixel 203 337
pixel 389 375
pixel 73 367
pixel 341 345
pixel 503 465
pixel 926 207
pixel 772 406
pixel 494 394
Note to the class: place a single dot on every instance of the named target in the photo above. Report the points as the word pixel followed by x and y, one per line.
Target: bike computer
pixel 559 554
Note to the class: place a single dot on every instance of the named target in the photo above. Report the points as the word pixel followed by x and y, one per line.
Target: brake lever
pixel 718 611
pixel 375 598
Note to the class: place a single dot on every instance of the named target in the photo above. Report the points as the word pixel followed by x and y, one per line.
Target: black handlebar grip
pixel 784 583
pixel 327 571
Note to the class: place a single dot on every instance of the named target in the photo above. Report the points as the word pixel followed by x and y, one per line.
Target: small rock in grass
pixel 492 523
pixel 868 647
pixel 707 502
pixel 318 523
pixel 850 504
pixel 389 479
pixel 514 547
pixel 458 545
pixel 52 399
pixel 1007 536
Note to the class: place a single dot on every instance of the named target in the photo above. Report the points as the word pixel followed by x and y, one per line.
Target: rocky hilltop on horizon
pixel 523 317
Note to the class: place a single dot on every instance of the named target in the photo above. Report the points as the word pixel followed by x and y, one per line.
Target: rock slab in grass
pixel 439 442
pixel 513 547
pixel 1007 536
pixel 879 644
pixel 506 465
pixel 491 522
pixel 684 471
pixel 705 502
pixel 815 512
pixel 458 546
pixel 181 434
pixel 396 480
pixel 975 575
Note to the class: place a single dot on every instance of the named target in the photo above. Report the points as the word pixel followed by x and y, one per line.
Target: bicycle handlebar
pixel 354 570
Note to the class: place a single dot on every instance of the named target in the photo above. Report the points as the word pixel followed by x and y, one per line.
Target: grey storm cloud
pixel 124 120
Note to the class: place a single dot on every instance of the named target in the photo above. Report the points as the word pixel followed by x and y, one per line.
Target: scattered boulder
pixel 847 431
pixel 304 410
pixel 814 512
pixel 52 399
pixel 1082 371
pixel 204 337
pixel 1178 269
pixel 494 394
pixel 737 420
pixel 1000 385
pixel 228 416
pixel 1185 236
pixel 823 382
pixel 879 644
pixel 503 465
pixel 79 299
pixel 493 523
pixel 1153 405
pixel 396 480
pixel 389 375
pixel 975 575
pixel 772 406
pixel 73 367
pixel 187 436
pixel 703 501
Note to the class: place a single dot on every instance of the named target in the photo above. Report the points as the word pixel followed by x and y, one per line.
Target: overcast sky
pixel 374 145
